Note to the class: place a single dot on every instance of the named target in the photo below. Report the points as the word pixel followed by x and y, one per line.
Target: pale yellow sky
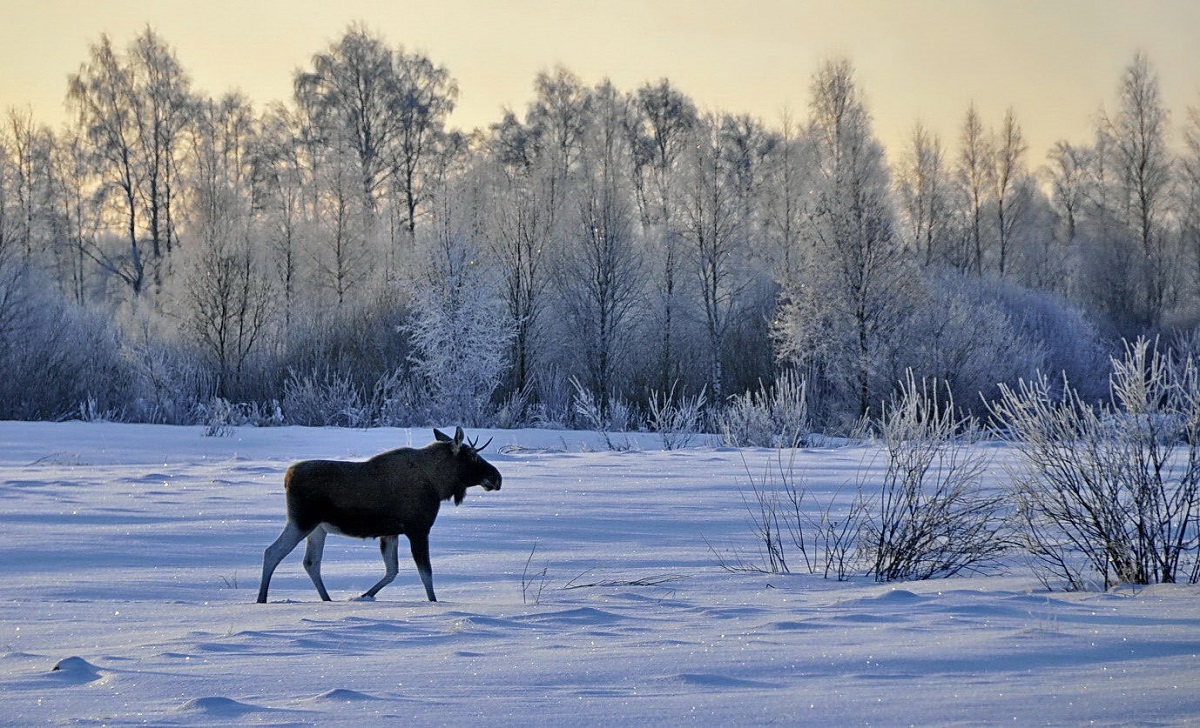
pixel 1056 62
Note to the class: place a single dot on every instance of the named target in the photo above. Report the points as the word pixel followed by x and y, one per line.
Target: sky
pixel 1055 63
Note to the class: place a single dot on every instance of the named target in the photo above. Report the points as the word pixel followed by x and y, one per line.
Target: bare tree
pixel 77 215
pixel 351 89
pixel 280 177
pixel 1139 134
pixel 29 164
pixel 974 165
pixel 166 109
pixel 103 94
pixel 924 190
pixel 1007 177
pixel 424 96
pixel 600 276
pixel 1068 175
pixel 662 131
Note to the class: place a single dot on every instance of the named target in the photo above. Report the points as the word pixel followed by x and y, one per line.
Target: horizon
pixel 1057 65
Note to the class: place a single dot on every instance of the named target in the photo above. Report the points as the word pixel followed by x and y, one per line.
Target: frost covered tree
pixel 599 276
pixel 28 150
pixel 281 173
pixel 75 219
pixel 1008 186
pixel 785 195
pixel 534 164
pixel 710 229
pixel 227 302
pixel 460 332
pixel 923 185
pixel 972 170
pixel 1139 133
pixel 840 313
pixel 662 131
pixel 1189 195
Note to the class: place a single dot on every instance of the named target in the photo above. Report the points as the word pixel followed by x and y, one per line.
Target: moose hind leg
pixel 312 559
pixel 291 536
pixel 420 553
pixel 387 547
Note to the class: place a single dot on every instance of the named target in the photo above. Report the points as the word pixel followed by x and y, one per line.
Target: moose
pixel 395 492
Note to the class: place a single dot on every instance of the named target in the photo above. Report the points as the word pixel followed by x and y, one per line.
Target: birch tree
pixel 924 188
pixel 972 171
pixel 1007 178
pixel 664 121
pixel 839 316
pixel 1139 133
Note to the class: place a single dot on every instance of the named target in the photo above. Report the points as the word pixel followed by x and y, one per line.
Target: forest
pixel 602 258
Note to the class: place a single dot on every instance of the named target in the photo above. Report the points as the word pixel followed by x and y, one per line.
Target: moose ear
pixel 458 435
pixel 440 436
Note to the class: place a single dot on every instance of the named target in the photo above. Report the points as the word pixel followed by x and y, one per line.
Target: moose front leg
pixel 420 553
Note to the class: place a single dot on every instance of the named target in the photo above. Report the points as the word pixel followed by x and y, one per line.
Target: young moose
pixel 393 493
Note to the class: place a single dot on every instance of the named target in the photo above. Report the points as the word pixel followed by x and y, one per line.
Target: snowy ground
pixel 130 559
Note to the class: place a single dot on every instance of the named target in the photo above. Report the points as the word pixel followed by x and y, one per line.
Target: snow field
pixel 584 592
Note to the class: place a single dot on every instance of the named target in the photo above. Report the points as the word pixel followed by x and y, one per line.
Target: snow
pixel 584 592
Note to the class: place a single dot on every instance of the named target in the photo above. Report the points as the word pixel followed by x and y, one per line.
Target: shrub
pixel 676 418
pixel 932 516
pixel 603 418
pixel 1110 492
pixel 322 400
pixel 56 357
pixel 774 416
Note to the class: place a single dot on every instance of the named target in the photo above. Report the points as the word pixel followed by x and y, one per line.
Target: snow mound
pixel 77 670
pixel 219 707
pixel 342 695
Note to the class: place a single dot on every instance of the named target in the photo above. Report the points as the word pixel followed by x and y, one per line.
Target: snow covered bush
pixel 323 399
pixel 461 354
pixel 931 516
pixel 170 386
pixel 822 537
pixel 774 416
pixel 676 418
pixel 54 355
pixel 1109 493
pixel 603 418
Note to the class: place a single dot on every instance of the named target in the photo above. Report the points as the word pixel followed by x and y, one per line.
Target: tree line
pixel 346 257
